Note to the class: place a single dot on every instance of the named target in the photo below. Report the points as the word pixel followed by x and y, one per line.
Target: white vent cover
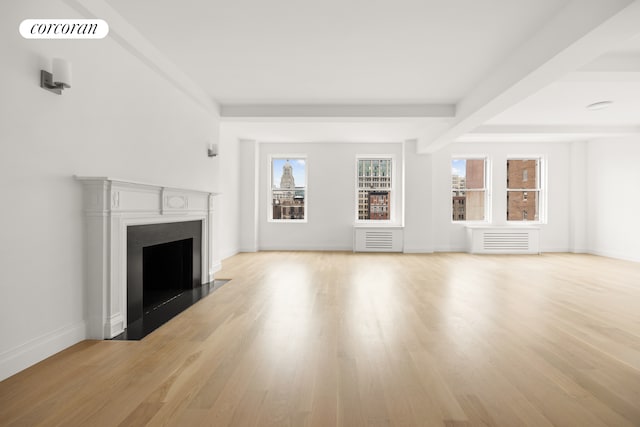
pixel 509 241
pixel 503 240
pixel 378 239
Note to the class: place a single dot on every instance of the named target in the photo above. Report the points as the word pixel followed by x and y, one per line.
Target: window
pixel 375 186
pixel 288 188
pixel 524 189
pixel 468 192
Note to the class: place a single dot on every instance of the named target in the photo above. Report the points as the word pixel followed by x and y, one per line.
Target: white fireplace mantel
pixel 110 206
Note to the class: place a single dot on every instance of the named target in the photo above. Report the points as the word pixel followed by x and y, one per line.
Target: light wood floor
pixel 326 339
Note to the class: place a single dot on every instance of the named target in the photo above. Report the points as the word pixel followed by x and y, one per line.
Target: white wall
pixel 418 213
pixel 249 185
pixel 228 202
pixel 554 235
pixel 579 197
pixel 330 194
pixel 120 119
pixel 613 204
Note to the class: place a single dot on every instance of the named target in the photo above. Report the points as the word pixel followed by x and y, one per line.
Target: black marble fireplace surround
pixel 163 263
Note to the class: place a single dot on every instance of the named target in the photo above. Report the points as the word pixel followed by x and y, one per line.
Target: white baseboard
pixel 33 351
pixel 115 326
pixel 418 250
pixel 451 249
pixel 229 254
pixel 216 266
pixel 616 255
pixel 556 251
pixel 307 248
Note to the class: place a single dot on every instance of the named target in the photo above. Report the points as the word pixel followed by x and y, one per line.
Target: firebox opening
pixel 167 272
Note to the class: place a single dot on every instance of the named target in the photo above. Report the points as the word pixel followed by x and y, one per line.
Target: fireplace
pixel 164 233
pixel 163 261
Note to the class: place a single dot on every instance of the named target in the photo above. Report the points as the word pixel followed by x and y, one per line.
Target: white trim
pixel 248 250
pixel 376 224
pixel 136 184
pixel 614 254
pixel 311 247
pixel 447 249
pixel 35 350
pixel 417 250
pixel 215 267
pixel 228 255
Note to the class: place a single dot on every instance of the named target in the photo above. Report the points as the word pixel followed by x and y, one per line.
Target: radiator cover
pixel 503 240
pixel 377 239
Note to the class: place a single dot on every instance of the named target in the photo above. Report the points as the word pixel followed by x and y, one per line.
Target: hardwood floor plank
pixel 343 339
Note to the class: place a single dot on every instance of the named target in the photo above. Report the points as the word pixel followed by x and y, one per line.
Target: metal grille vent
pixel 378 240
pixel 506 241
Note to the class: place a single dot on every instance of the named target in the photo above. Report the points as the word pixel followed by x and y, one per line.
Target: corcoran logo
pixel 64 29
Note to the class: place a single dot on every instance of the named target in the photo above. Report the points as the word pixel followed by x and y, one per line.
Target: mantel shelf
pixel 138 183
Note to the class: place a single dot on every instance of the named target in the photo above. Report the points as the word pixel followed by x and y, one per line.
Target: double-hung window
pixel 524 189
pixel 288 188
pixel 468 189
pixel 374 188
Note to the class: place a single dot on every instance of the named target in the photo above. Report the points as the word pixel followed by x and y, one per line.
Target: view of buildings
pixel 287 199
pixel 374 189
pixel 523 189
pixel 467 189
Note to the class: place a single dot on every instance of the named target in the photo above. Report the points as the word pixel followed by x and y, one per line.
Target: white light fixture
pixel 212 150
pixel 60 79
pixel 599 105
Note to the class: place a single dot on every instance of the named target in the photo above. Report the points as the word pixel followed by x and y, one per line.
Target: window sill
pixel 510 225
pixel 471 223
pixel 380 224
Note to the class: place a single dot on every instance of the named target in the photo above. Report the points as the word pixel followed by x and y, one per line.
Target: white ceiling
pixel 337 51
pixel 513 69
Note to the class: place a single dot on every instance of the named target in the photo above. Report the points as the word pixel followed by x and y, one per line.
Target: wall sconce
pixel 212 150
pixel 59 80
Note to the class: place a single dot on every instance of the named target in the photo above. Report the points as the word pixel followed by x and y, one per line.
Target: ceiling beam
pixel 602 76
pixel 579 33
pixel 540 133
pixel 338 111
pixel 614 62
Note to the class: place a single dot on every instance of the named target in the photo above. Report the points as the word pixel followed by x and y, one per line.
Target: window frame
pixel 486 189
pixel 393 199
pixel 540 189
pixel 270 188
